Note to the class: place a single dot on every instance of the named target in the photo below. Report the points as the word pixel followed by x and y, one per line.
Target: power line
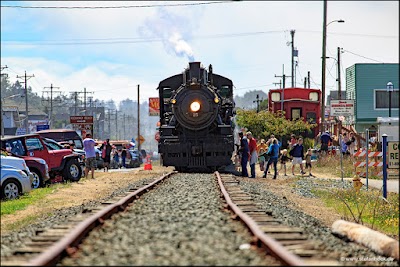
pixel 120 7
pixel 362 56
pixel 130 40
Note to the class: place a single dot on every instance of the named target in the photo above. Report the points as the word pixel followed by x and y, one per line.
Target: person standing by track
pixel 253 154
pixel 244 150
pixel 273 151
pixel 106 154
pixel 90 155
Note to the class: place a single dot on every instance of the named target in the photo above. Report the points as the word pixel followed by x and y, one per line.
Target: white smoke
pixel 174 31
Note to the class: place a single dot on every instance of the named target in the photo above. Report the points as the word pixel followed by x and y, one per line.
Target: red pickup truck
pixel 61 162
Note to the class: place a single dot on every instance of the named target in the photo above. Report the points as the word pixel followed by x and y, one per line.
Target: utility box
pixel 388 126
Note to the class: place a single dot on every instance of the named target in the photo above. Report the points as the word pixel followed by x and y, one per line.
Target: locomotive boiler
pixel 196 110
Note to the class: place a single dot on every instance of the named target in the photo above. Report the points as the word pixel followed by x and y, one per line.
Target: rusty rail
pixel 67 245
pixel 273 246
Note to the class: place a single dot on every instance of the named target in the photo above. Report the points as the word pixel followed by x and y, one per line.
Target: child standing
pixel 308 161
pixel 283 159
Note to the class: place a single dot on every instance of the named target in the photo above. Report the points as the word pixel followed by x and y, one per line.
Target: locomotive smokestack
pixel 210 74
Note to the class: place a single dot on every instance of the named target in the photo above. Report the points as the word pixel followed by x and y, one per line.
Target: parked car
pixel 62 162
pixel 135 159
pixel 17 163
pixel 63 135
pixel 38 168
pixel 14 182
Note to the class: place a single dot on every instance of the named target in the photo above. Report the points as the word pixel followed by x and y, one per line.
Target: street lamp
pixel 324 63
pixel 389 88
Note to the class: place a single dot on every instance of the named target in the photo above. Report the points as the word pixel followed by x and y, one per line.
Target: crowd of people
pixel 270 152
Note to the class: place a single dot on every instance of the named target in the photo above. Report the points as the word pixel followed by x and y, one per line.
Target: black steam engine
pixel 196 109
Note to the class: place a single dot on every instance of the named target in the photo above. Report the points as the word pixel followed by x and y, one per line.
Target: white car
pixel 14 182
pixel 17 163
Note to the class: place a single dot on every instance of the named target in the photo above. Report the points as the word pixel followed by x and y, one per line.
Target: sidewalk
pixel 392 185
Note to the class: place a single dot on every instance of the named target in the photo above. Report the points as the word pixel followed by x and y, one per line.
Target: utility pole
pixel 280 84
pixel 1 69
pixel 292 34
pixel 51 102
pixel 305 82
pixel 124 128
pixel 283 88
pixel 116 124
pixel 258 102
pixel 84 99
pixel 138 116
pixel 308 79
pixel 323 67
pixel 338 72
pixel 27 77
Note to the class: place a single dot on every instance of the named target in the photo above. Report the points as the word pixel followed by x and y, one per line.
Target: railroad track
pixel 50 245
pixel 287 244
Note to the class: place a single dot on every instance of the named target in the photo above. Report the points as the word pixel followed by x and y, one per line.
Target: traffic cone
pixel 147 165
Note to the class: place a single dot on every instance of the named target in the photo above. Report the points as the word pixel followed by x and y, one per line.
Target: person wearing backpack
pixel 297 152
pixel 273 152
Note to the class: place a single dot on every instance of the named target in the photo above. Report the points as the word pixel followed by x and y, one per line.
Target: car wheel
pixel 73 171
pixel 37 180
pixel 10 190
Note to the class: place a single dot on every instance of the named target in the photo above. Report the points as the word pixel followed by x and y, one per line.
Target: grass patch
pixel 34 196
pixel 365 207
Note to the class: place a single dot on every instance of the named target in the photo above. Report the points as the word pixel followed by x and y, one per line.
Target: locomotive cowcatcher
pixel 196 108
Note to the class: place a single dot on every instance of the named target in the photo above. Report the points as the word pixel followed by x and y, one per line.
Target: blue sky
pixel 110 51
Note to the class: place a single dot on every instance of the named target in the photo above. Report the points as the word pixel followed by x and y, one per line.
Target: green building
pixel 367 84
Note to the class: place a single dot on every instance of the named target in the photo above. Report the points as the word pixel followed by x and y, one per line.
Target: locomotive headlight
pixel 173 101
pixel 216 100
pixel 195 106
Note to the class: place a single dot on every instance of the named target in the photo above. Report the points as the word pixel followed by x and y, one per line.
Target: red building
pixel 297 103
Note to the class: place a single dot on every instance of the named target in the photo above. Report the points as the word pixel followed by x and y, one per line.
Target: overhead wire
pixel 118 7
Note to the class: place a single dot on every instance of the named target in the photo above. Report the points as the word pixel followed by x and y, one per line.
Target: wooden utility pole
pixel 138 116
pixel 27 77
pixel 338 73
pixel 292 34
pixel 51 103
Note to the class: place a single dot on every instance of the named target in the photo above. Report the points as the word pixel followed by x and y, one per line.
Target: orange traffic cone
pixel 147 164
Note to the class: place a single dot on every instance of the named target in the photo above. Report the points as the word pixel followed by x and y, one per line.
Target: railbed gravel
pixel 348 253
pixel 182 222
pixel 15 239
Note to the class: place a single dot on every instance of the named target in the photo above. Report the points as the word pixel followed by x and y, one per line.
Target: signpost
pixel 41 127
pixel 141 140
pixel 154 106
pixel 342 107
pixel 82 123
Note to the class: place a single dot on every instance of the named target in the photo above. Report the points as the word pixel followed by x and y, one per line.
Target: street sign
pixel 342 107
pixel 81 119
pixel 154 106
pixel 141 139
pixel 20 131
pixel 393 155
pixel 42 127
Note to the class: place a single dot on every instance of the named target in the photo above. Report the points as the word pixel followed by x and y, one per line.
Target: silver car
pixel 14 182
pixel 17 163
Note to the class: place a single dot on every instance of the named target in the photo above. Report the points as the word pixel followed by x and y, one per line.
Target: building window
pixel 275 97
pixel 313 96
pixel 311 117
pixel 296 113
pixel 382 99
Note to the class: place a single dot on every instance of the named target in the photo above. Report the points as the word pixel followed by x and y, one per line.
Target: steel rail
pixel 273 246
pixel 67 245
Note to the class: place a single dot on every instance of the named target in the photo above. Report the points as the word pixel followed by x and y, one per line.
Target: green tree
pixel 264 123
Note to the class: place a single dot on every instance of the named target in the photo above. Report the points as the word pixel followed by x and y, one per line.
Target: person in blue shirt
pixel 273 151
pixel 297 152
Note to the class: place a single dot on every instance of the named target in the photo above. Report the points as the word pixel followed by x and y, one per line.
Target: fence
pixel 366 164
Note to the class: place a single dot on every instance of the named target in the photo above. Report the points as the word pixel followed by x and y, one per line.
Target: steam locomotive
pixel 196 111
